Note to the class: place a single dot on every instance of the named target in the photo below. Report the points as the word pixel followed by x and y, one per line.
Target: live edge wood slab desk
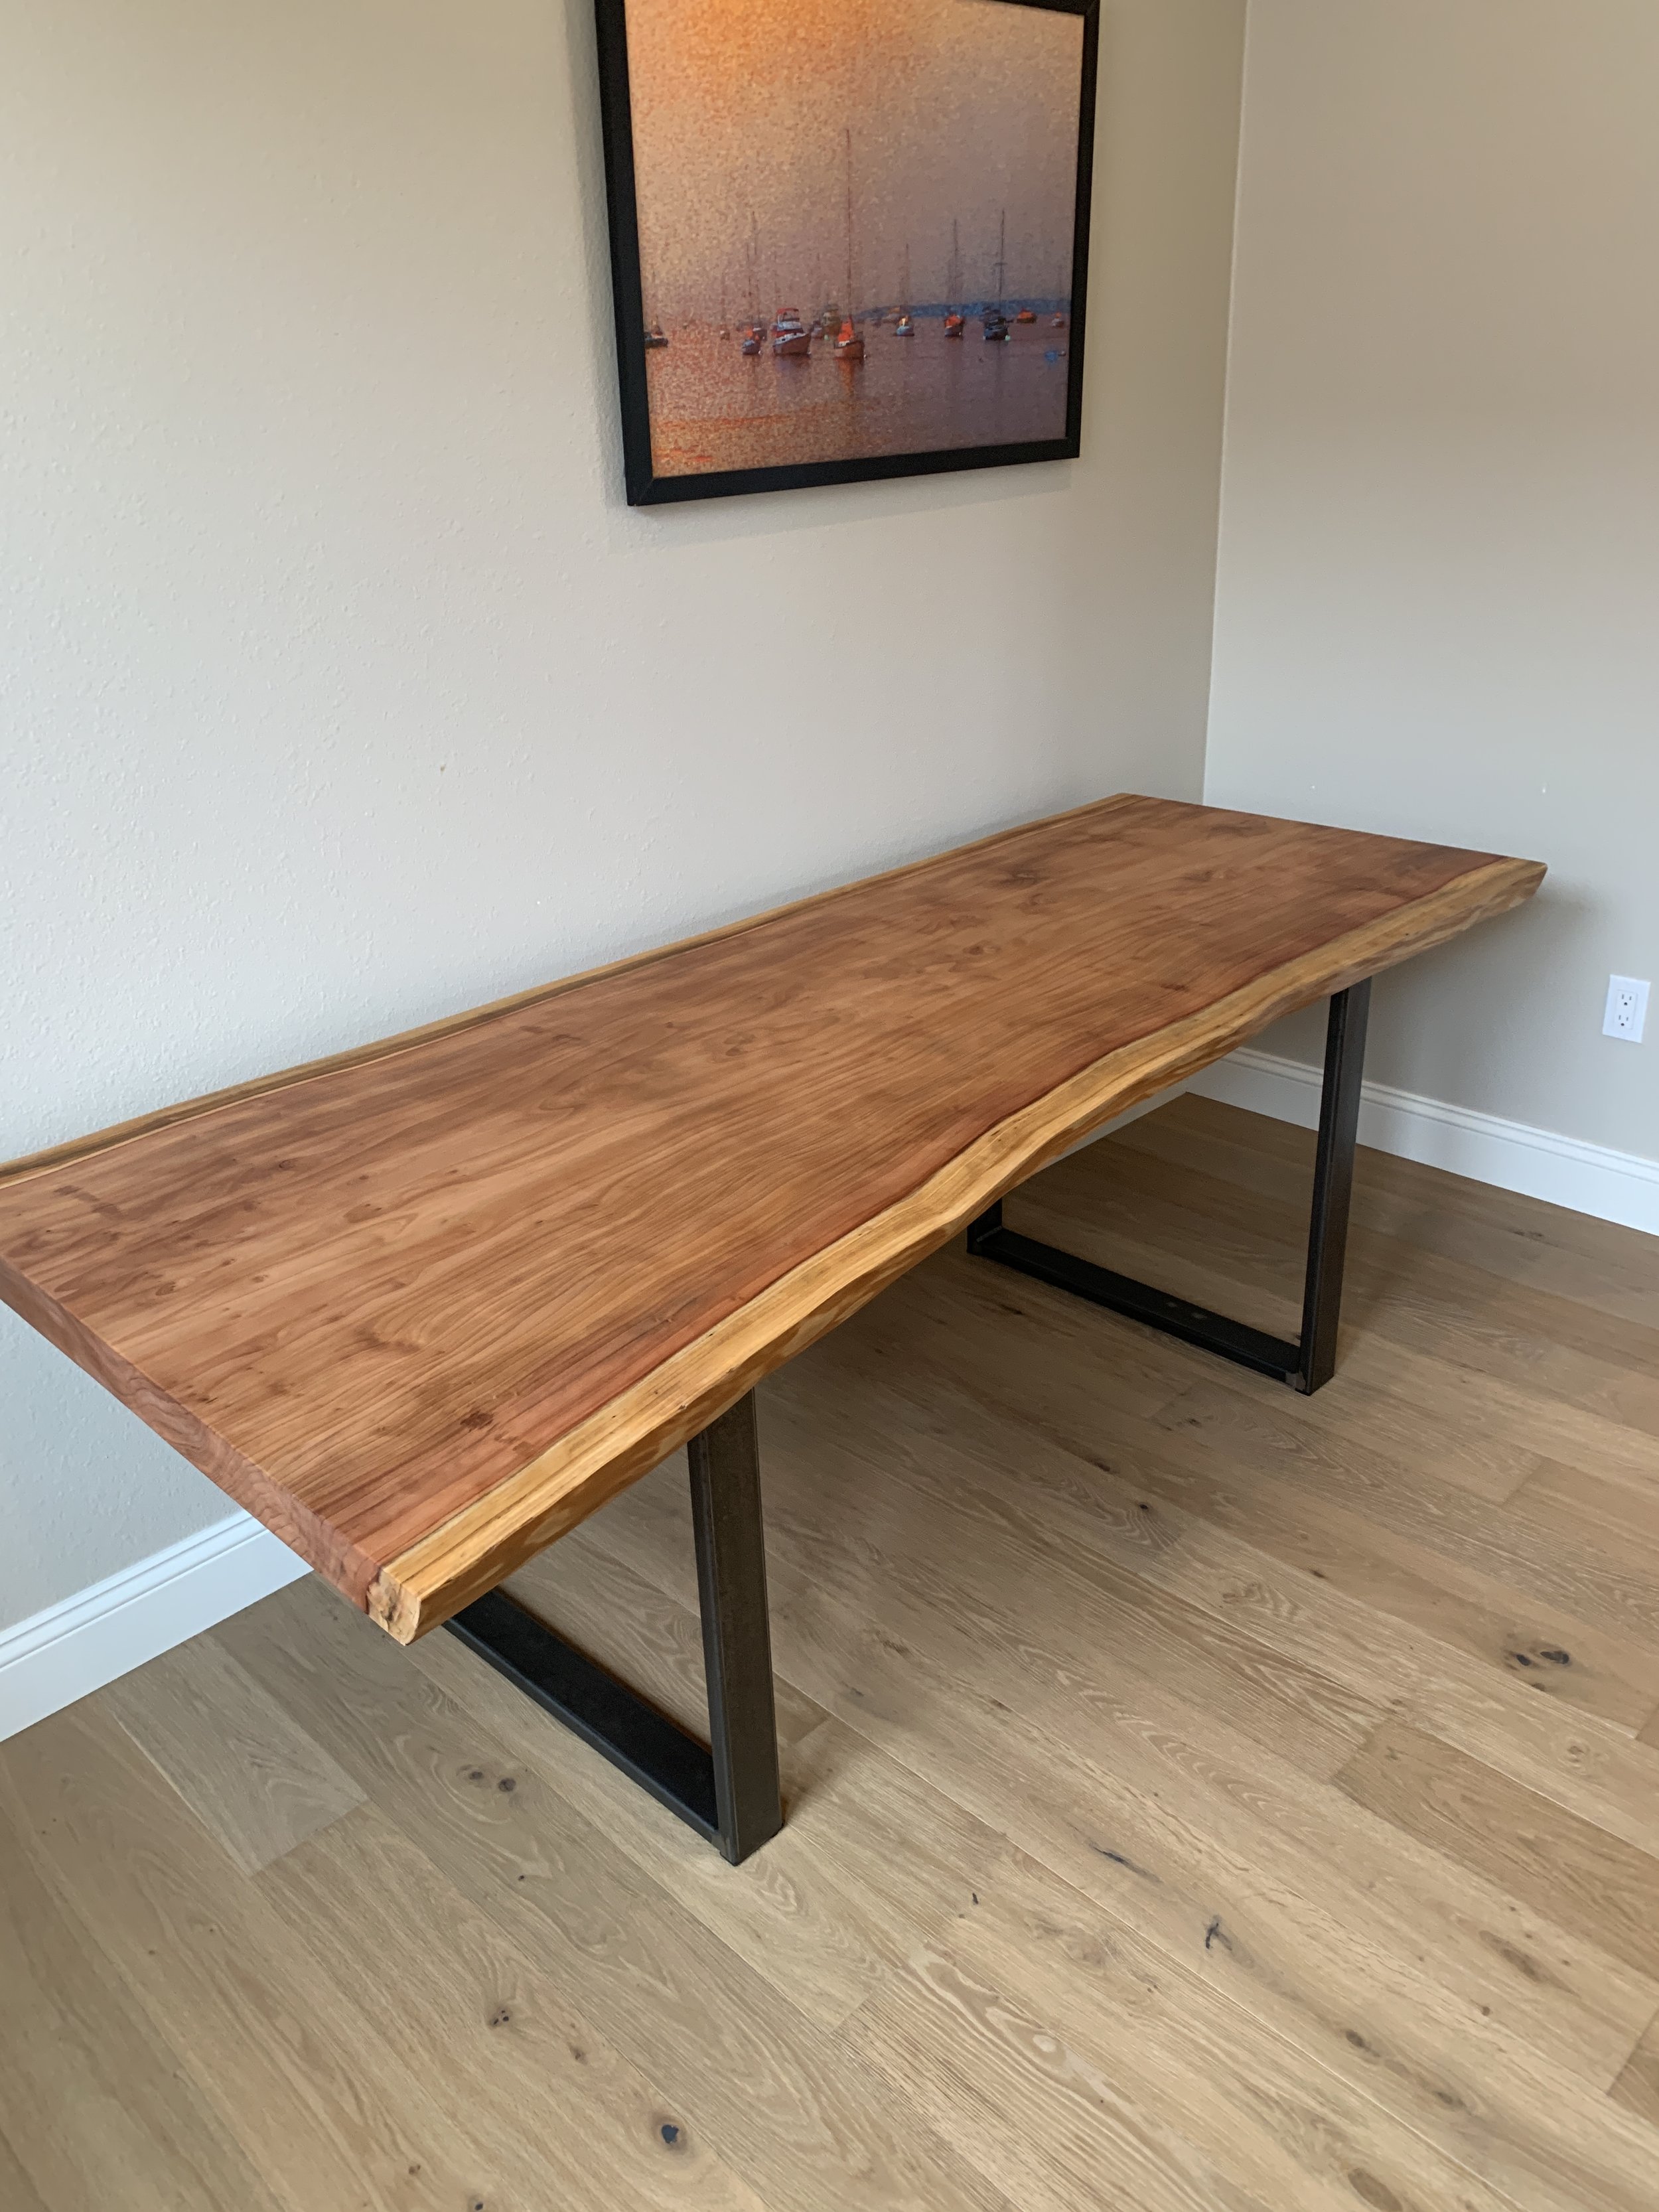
pixel 422 1307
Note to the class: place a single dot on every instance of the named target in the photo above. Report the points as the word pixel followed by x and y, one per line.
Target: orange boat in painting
pixel 953 325
pixel 1026 315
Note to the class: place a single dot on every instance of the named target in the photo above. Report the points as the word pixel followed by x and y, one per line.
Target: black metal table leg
pixel 736 1636
pixel 728 1792
pixel 1333 1190
pixel 1311 1360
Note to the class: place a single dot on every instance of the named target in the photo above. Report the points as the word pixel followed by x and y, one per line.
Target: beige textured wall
pixel 1438 594
pixel 341 689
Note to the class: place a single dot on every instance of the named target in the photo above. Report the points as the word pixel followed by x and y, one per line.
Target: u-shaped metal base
pixel 1311 1360
pixel 728 1791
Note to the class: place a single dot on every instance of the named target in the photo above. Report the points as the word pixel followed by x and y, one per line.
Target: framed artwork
pixel 849 238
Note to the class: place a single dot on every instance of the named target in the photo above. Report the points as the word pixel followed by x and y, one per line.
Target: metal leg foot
pixel 728 1792
pixel 1311 1360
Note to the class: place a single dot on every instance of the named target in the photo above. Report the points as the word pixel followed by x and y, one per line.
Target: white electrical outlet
pixel 1627 1009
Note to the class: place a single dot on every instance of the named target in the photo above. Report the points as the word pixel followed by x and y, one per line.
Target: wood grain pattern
pixel 1637 2087
pixel 423 1307
pixel 1605 1889
pixel 94 2103
pixel 278 1996
pixel 1150 2070
pixel 254 1781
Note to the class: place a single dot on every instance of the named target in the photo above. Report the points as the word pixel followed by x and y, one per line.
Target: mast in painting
pixel 953 286
pixel 993 323
pixel 849 346
pixel 751 331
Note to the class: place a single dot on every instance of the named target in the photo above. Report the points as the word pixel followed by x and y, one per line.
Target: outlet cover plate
pixel 1626 1012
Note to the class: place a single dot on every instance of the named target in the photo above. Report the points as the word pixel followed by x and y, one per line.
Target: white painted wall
pixel 1438 594
pixel 341 690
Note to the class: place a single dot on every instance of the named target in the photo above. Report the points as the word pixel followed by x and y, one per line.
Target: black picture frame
pixel 643 486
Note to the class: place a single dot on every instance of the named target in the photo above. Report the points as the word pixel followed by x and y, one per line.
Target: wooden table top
pixel 421 1307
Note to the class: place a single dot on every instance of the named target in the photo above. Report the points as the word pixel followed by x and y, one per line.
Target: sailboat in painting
pixel 992 322
pixel 953 318
pixel 753 337
pixel 907 328
pixel 849 346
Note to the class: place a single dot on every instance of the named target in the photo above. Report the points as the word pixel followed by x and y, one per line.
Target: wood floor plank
pixel 301 2072
pixel 892 1505
pixel 1619 1510
pixel 1073 1510
pixel 1409 1428
pixel 1383 2021
pixel 1502 1589
pixel 981 1321
pixel 254 1780
pixel 93 2101
pixel 1592 1358
pixel 1140 2042
pixel 1137 2018
pixel 1555 2162
pixel 867 1862
pixel 17 2192
pixel 1546 1247
pixel 1185 1658
pixel 1057 2129
pixel 1513 1409
pixel 1135 1797
pixel 1592 1362
pixel 1575 1572
pixel 470 2008
pixel 782 2103
pixel 1602 1888
pixel 1441 1567
pixel 1637 2087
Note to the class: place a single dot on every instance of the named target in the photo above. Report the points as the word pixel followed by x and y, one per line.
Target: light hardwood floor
pixel 1202 1799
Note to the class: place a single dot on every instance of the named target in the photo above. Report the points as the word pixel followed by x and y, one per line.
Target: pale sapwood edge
pixel 483 1542
pixel 309 1071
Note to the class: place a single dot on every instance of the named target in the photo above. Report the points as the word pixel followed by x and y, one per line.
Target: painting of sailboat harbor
pixel 858 236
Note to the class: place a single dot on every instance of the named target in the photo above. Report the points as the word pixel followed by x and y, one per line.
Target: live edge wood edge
pixel 498 1533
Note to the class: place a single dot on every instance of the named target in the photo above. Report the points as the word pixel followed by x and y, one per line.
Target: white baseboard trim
pixel 75 1647
pixel 1620 1187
